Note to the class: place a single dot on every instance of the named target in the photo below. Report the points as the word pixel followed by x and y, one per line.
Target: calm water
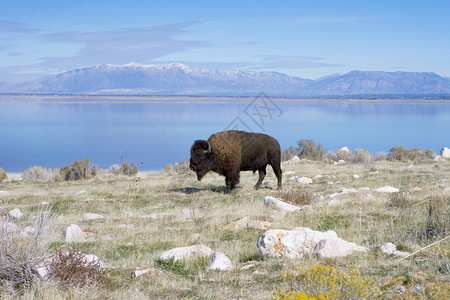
pixel 56 132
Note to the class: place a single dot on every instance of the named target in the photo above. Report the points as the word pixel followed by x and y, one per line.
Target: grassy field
pixel 182 211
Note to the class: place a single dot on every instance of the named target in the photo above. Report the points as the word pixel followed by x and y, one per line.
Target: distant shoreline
pixel 395 99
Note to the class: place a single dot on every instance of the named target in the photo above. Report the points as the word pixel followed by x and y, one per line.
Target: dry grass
pixel 188 212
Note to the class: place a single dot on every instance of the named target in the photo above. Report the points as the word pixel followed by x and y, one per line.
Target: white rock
pixel 288 173
pixel 89 216
pixel 345 149
pixel 292 244
pixel 445 152
pixel 304 180
pixel 269 200
pixel 364 188
pixel 249 266
pixel 28 230
pixel 139 272
pixel 189 252
pixel 348 191
pixel 318 176
pixel 16 213
pixel 125 226
pixel 74 234
pixel 388 248
pixel 330 182
pixel 370 197
pixel 94 259
pixel 294 178
pixel 42 268
pixel 336 248
pixel 391 249
pixel 356 176
pixel 415 189
pixel 334 202
pixel 219 261
pixel 157 216
pixel 341 162
pixel 292 161
pixel 387 189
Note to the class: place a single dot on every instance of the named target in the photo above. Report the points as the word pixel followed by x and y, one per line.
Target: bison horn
pixel 208 150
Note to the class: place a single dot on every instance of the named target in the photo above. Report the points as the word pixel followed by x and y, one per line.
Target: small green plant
pixel 308 149
pixel 3 175
pixel 315 281
pixel 183 267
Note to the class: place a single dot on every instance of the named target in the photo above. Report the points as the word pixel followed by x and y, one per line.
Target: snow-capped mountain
pixel 179 79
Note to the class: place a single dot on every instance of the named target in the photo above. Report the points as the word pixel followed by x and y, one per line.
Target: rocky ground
pixel 164 235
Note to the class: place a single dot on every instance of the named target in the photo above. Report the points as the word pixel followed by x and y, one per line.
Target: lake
pixel 54 132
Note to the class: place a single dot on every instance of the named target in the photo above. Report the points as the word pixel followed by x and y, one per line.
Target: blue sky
pixel 308 39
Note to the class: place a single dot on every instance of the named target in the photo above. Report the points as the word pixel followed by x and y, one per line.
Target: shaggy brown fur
pixel 229 152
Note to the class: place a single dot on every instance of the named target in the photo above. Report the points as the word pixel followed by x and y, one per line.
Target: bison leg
pixel 277 170
pixel 262 174
pixel 231 181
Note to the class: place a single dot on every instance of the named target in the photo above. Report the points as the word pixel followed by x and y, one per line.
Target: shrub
pixel 181 167
pixel 3 175
pixel 298 197
pixel 398 200
pixel 78 170
pixel 288 153
pixel 124 169
pixel 361 156
pixel 21 254
pixel 115 169
pixel 37 173
pixel 314 281
pixel 438 218
pixel 128 170
pixel 345 155
pixel 308 149
pixel 70 268
pixel 413 154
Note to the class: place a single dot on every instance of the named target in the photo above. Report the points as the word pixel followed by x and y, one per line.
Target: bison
pixel 229 152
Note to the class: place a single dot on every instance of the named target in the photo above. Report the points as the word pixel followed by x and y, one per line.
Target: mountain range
pixel 179 79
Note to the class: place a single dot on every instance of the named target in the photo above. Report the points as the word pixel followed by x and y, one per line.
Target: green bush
pixel 413 154
pixel 78 170
pixel 308 149
pixel 128 170
pixel 124 169
pixel 3 175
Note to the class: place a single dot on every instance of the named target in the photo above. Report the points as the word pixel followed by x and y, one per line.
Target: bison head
pixel 201 161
